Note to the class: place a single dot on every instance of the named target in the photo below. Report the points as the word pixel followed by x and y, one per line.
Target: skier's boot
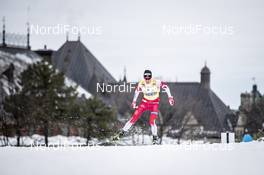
pixel 119 135
pixel 155 140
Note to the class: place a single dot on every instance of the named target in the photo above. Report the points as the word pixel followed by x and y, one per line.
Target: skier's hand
pixel 171 101
pixel 134 105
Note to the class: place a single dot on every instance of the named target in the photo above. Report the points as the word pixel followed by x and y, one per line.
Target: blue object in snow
pixel 247 138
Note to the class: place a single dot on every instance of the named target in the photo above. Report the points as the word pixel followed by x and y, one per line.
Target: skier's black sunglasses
pixel 147 76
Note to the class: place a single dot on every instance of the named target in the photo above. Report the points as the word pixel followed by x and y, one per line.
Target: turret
pixel 205 77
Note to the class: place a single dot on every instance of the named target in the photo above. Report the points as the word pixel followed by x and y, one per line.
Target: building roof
pixel 79 64
pixel 203 103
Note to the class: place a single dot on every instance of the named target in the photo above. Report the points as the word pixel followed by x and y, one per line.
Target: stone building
pixel 247 100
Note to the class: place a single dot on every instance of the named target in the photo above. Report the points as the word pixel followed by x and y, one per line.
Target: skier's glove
pixel 171 101
pixel 134 105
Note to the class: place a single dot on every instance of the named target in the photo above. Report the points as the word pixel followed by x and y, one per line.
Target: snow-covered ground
pixel 60 140
pixel 198 159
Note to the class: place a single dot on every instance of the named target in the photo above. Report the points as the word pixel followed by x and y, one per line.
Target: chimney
pixel 67 36
pixel 79 36
pixel 28 37
pixel 255 93
pixel 125 78
pixel 255 88
pixel 3 32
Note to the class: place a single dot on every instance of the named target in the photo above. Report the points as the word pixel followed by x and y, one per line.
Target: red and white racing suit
pixel 149 102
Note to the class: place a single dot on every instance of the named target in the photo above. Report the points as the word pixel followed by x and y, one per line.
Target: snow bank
pixel 60 140
pixel 36 139
pixel 206 159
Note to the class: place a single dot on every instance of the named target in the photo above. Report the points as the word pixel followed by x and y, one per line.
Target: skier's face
pixel 147 76
pixel 147 81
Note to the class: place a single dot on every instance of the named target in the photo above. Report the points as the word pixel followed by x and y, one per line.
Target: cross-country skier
pixel 150 88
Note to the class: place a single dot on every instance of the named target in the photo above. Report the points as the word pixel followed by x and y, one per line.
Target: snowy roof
pixel 19 58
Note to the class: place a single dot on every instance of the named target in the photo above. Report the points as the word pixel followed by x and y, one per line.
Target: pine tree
pixel 44 100
pixel 46 95
pixel 96 119
pixel 16 104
